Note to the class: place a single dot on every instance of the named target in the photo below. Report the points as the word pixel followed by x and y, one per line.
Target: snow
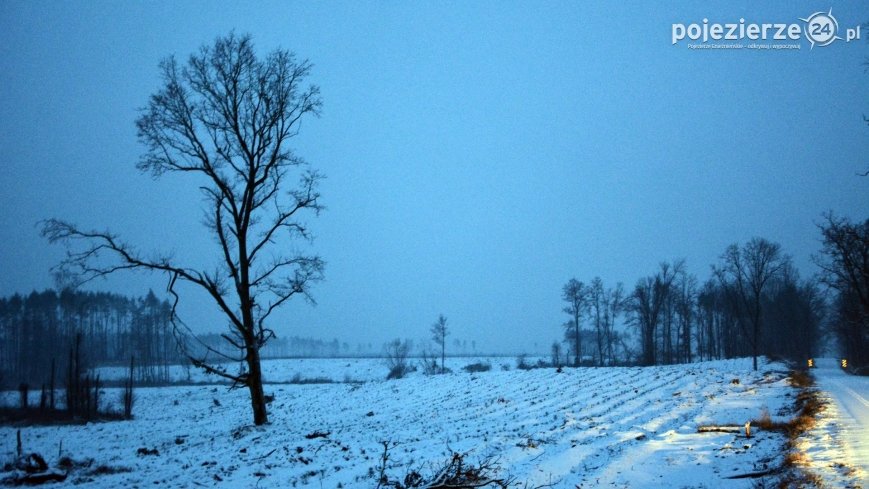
pixel 334 369
pixel 838 447
pixel 586 427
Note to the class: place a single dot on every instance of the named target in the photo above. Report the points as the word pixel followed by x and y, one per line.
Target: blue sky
pixel 478 154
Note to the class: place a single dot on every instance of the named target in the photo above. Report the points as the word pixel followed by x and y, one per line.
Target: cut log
pixel 41 478
pixel 720 429
pixel 752 475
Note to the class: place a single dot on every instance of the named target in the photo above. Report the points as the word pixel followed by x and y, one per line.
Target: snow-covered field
pixel 587 427
pixel 332 369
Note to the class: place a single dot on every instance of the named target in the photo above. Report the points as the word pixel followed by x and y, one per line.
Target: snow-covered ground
pixel 587 427
pixel 333 369
pixel 838 447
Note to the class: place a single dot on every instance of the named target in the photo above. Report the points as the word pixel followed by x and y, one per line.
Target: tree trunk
pixel 754 346
pixel 577 358
pixel 255 384
pixel 648 346
pixel 755 333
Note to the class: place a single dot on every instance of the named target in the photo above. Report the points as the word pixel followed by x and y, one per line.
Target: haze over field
pixel 477 155
pixel 434 244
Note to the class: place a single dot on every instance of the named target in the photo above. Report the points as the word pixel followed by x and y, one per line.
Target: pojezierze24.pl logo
pixel 820 29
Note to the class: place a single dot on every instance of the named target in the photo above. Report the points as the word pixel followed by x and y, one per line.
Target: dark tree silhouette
pixel 647 303
pixel 575 293
pixel 227 117
pixel 745 273
pixel 844 260
pixel 439 334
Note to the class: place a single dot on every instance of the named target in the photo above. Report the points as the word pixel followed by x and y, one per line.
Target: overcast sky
pixel 478 154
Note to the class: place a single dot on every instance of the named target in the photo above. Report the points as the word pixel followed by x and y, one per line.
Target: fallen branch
pixel 266 455
pixel 753 475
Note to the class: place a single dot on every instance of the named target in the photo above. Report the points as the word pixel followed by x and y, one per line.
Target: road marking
pixel 856 396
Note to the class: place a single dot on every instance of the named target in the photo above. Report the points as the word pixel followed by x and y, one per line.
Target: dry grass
pixel 801 378
pixel 799 478
pixel 796 459
pixel 765 422
pixel 808 406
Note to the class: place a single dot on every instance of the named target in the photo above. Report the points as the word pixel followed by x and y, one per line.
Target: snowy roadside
pixel 837 448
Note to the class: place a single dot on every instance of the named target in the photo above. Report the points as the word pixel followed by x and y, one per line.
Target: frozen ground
pixel 588 427
pixel 839 446
pixel 334 369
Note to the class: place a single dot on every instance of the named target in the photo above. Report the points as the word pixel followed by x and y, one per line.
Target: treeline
pixel 278 347
pixel 670 317
pixel 754 303
pixel 39 330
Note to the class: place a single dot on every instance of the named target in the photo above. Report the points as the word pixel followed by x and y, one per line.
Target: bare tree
pixel 596 296
pixel 793 312
pixel 746 272
pixel 614 303
pixel 556 354
pixel 844 260
pixel 575 293
pixel 647 305
pixel 226 117
pixel 685 305
pixel 439 334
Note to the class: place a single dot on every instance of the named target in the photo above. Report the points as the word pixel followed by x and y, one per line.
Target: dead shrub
pixel 477 367
pixel 455 473
pixel 800 478
pixel 764 422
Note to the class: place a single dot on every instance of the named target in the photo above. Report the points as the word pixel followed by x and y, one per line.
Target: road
pixel 850 394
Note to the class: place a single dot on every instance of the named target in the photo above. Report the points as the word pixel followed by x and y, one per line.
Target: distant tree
pixel 707 310
pixel 597 302
pixel 575 294
pixel 605 305
pixel 439 334
pixel 685 304
pixel 746 273
pixel 647 304
pixel 227 117
pixel 792 315
pixel 844 260
pixel 615 302
pixel 556 354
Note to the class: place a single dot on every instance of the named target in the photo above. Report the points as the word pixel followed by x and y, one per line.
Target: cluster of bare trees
pixel 754 304
pixel 396 353
pixel 600 307
pixel 844 259
pixel 38 331
pixel 662 308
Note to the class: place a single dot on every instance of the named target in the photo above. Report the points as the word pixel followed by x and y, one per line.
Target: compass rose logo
pixel 821 28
